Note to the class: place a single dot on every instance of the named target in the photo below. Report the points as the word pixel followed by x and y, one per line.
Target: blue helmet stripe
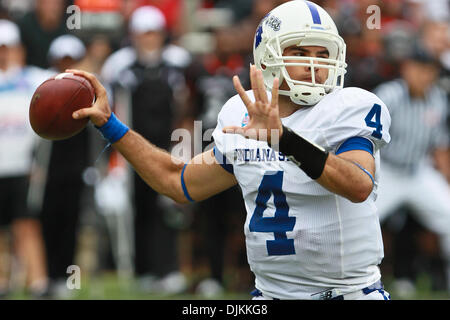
pixel 314 12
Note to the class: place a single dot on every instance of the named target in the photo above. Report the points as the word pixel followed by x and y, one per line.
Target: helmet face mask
pixel 295 26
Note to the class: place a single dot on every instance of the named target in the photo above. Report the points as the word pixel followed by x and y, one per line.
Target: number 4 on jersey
pixel 375 112
pixel 280 223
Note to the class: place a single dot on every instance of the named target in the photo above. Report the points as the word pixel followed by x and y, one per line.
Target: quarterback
pixel 305 152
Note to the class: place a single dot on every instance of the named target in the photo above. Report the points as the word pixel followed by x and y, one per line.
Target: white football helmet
pixel 300 23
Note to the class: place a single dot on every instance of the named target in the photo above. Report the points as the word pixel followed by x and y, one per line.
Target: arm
pixel 157 167
pixel 338 174
pixel 162 172
pixel 342 176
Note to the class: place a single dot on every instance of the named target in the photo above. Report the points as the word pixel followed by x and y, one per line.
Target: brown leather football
pixel 53 103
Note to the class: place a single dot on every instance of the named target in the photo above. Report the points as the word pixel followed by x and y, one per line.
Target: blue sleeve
pixel 222 160
pixel 356 143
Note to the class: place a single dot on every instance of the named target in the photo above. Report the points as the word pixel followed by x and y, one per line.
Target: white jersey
pixel 17 138
pixel 301 238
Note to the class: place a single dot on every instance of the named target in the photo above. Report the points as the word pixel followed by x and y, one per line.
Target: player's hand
pixel 100 111
pixel 264 115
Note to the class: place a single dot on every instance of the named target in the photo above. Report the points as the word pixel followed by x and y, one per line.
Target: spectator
pixel 418 108
pixel 436 37
pixel 248 25
pixel 211 86
pixel 97 51
pixel 171 9
pixel 419 11
pixel 40 27
pixel 17 140
pixel 65 51
pixel 149 71
pixel 68 158
pixel 240 8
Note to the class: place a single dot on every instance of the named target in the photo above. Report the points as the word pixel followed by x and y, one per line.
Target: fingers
pixel 82 113
pixel 235 130
pixel 96 115
pixel 232 129
pixel 257 84
pixel 274 102
pixel 253 82
pixel 245 132
pixel 241 91
pixel 98 87
pixel 258 87
pixel 100 111
pixel 261 87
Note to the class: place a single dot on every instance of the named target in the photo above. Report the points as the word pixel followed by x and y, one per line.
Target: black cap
pixel 420 54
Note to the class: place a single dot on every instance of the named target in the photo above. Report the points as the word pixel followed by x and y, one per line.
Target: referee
pixel 418 109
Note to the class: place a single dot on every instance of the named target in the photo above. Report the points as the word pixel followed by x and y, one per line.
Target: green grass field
pixel 108 287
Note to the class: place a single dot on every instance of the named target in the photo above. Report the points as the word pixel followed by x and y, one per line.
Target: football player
pixel 305 152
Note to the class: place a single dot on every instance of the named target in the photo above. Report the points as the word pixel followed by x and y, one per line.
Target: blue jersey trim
pixel 222 160
pixel 356 143
pixel 183 185
pixel 314 12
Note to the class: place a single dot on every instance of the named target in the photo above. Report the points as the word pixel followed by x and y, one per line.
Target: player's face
pixel 64 63
pixel 149 41
pixel 4 54
pixel 419 76
pixel 302 73
pixel 11 55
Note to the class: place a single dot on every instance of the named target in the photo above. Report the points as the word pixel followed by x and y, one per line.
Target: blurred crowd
pixel 165 64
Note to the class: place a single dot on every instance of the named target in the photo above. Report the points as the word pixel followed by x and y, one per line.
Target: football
pixel 53 103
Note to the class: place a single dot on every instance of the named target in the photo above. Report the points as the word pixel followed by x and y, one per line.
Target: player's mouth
pixel 309 79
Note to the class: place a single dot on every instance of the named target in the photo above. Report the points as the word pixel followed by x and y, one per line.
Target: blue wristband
pixel 113 130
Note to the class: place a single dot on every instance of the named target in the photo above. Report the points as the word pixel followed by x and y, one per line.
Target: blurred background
pixel 166 63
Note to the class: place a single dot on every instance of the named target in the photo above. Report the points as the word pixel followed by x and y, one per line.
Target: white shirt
pixel 17 138
pixel 300 237
pixel 419 125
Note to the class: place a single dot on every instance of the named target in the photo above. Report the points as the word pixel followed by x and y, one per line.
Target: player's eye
pixel 298 53
pixel 323 54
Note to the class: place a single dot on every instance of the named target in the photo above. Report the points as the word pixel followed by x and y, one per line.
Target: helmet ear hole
pixel 263 66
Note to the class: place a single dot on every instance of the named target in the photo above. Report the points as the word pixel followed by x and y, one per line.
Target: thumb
pixel 233 130
pixel 82 113
pixel 247 132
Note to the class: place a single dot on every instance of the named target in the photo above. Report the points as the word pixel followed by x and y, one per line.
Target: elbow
pixel 181 200
pixel 174 190
pixel 358 198
pixel 177 194
pixel 360 194
pixel 177 197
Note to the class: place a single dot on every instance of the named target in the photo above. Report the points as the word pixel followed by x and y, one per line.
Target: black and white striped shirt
pixel 418 125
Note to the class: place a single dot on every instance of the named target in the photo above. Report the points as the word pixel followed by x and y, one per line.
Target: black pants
pixel 60 215
pixel 219 216
pixel 13 199
pixel 62 202
pixel 155 241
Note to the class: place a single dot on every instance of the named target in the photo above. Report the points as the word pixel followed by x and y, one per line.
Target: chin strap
pixel 304 95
